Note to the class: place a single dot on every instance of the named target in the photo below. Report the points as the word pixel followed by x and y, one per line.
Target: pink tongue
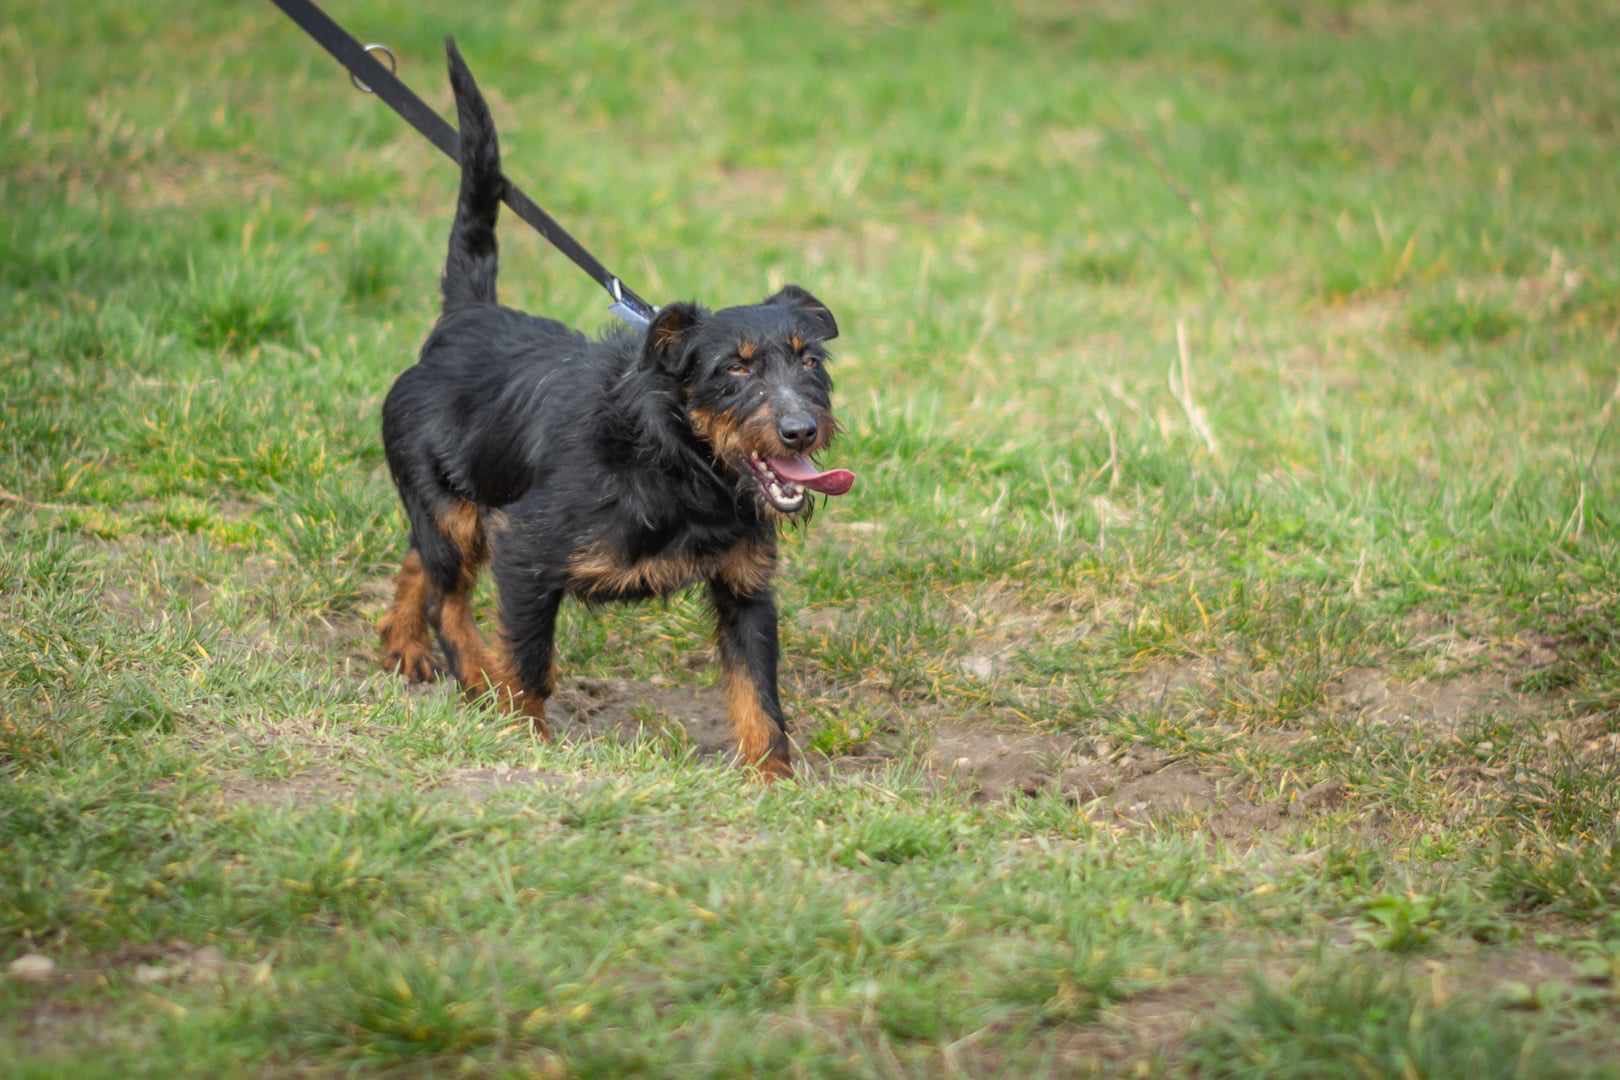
pixel 800 470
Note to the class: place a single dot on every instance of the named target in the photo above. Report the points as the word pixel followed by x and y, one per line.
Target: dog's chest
pixel 601 573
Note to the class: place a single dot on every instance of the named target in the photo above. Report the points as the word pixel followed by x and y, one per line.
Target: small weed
pixel 1397 924
pixel 845 731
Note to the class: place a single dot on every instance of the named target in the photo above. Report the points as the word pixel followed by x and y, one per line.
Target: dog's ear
pixel 669 335
pixel 811 311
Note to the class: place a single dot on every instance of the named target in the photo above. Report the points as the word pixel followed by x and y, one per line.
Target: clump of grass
pixel 895 837
pixel 81 335
pixel 371 269
pixel 1595 302
pixel 1359 1022
pixel 1559 836
pixel 1100 264
pixel 1342 282
pixel 393 1006
pixel 1463 321
pixel 1068 980
pixel 137 706
pixel 238 304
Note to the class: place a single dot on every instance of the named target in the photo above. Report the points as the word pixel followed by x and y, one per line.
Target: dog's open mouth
pixel 784 481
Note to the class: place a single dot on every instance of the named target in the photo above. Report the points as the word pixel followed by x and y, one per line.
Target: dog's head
pixel 756 391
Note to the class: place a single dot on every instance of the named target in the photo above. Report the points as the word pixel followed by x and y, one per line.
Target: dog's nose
pixel 798 430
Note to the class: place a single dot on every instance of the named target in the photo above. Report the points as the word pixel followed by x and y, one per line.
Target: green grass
pixel 1215 671
pixel 1352 1023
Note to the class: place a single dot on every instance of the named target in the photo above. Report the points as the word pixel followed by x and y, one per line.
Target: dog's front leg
pixel 746 627
pixel 526 662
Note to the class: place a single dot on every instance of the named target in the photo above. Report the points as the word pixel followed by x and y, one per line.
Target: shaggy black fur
pixel 608 469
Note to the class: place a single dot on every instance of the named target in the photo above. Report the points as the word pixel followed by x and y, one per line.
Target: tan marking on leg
pixel 485 666
pixel 759 742
pixel 462 526
pixel 404 629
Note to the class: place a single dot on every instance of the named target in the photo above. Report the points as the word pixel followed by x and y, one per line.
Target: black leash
pixel 372 76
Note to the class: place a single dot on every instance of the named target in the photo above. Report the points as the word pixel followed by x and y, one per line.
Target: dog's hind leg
pixel 454 551
pixel 746 625
pixel 404 629
pixel 519 666
pixel 481 667
pixel 436 563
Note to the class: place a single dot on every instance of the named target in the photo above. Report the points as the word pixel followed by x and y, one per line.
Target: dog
pixel 621 468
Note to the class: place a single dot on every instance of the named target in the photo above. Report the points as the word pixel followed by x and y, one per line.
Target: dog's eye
pixel 738 368
pixel 811 362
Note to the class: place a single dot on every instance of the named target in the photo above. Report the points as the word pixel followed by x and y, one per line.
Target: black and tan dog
pixel 616 469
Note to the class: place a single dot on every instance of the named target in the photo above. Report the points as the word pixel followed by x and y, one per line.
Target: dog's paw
pixel 772 769
pixel 413 661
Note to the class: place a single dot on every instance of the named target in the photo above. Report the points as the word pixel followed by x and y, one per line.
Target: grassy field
pixel 1216 670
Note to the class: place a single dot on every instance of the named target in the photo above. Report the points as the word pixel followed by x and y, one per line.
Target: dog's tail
pixel 470 266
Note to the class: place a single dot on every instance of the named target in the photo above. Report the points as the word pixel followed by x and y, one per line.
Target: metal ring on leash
pixel 393 66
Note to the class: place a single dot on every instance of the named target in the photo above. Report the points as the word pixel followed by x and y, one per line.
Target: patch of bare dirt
pixel 1132 786
pixel 1496 964
pixel 1146 1028
pixel 311 786
pixel 1594 737
pixel 627 709
pixel 59 1016
pixel 149 963
pixel 1162 685
pixel 1360 316
pixel 1374 697
pixel 745 186
pixel 994 765
pixel 1003 621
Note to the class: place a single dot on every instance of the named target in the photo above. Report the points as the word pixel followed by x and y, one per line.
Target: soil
pixel 1130 786
pixel 624 709
pixel 1375 698
pixel 1120 785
